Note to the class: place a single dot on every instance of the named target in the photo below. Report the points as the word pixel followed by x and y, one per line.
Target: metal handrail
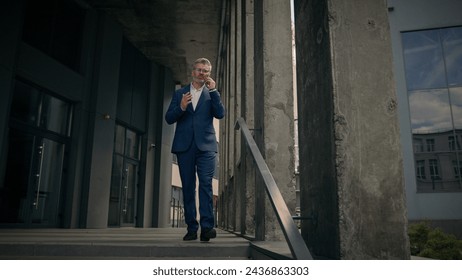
pixel 293 237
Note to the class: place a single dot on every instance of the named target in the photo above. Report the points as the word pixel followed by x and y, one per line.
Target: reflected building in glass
pixel 433 70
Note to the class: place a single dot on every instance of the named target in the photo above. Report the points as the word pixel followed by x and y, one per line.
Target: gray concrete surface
pixel 117 243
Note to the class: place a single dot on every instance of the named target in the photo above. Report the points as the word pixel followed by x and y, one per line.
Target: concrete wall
pixel 351 174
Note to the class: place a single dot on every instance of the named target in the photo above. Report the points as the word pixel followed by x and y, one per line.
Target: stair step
pixel 132 243
pixel 15 251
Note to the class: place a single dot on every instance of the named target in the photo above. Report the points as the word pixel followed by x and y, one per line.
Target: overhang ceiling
pixel 169 32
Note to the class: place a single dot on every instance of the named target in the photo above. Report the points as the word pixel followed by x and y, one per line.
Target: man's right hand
pixel 185 100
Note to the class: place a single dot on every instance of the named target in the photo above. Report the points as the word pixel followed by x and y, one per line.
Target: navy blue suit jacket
pixel 195 123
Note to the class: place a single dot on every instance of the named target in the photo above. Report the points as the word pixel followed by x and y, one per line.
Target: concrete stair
pixel 117 243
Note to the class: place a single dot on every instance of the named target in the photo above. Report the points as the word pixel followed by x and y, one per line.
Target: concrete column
pixel 225 88
pixel 10 34
pixel 231 97
pixel 162 190
pixel 274 114
pixel 105 92
pixel 247 112
pixel 153 143
pixel 239 187
pixel 351 172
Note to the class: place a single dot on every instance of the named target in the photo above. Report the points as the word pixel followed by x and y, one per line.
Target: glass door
pixel 46 185
pixel 30 193
pixel 14 192
pixel 124 182
pixel 35 163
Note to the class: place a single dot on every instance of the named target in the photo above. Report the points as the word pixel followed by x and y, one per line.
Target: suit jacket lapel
pixel 205 92
pixel 190 107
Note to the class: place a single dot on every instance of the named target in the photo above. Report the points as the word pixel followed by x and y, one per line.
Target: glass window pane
pixel 434 170
pixel 38 23
pixel 452 44
pixel 418 145
pixel 433 65
pixel 67 33
pixel 119 140
pixel 129 194
pixel 420 169
pixel 430 145
pixel 456 102
pixel 423 58
pixel 132 144
pixel 430 111
pixel 14 190
pixel 55 27
pixel 457 165
pixel 55 115
pixel 26 102
pixel 46 192
pixel 125 177
pixel 117 180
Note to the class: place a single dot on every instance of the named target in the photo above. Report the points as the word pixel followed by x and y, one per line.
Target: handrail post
pixel 292 235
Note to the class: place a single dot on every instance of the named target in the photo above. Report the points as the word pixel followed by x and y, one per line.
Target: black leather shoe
pixel 191 235
pixel 208 234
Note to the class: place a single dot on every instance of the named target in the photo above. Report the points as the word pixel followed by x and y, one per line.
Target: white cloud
pixel 430 110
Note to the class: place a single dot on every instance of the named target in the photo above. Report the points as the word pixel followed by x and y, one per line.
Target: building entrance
pixel 35 161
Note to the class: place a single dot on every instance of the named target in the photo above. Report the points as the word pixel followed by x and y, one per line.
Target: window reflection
pixel 457 168
pixel 433 65
pixel 132 144
pixel 424 60
pixel 418 145
pixel 26 104
pixel 430 145
pixel 420 165
pixel 429 110
pixel 456 104
pixel 55 114
pixel 452 42
pixel 35 107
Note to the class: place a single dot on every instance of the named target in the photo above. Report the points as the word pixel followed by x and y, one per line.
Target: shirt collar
pixel 200 89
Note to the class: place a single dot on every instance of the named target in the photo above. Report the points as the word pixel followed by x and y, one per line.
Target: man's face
pixel 201 72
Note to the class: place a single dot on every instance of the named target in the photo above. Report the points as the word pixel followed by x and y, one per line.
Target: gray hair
pixel 202 60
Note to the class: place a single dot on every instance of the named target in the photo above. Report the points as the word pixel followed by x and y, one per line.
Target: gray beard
pixel 200 81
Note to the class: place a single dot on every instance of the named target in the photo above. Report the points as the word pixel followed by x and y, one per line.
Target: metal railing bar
pixel 292 235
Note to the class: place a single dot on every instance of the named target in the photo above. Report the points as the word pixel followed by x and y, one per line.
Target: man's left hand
pixel 210 83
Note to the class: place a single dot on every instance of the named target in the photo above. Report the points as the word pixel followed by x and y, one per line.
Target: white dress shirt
pixel 196 94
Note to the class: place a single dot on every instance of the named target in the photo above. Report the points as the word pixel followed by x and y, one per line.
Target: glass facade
pixel 433 68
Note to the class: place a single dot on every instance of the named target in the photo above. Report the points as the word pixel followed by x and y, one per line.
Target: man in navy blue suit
pixel 193 108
